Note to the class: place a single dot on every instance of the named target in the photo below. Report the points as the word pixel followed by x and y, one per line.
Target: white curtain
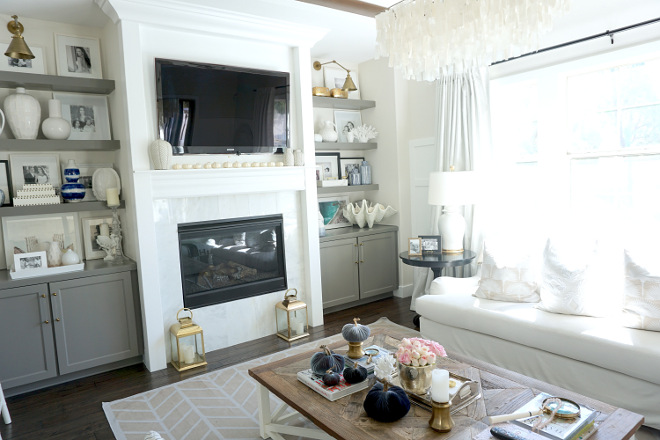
pixel 462 140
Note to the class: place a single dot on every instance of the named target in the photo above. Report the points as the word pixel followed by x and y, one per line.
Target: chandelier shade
pixel 427 39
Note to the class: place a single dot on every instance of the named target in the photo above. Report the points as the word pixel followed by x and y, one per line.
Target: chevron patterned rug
pixel 218 405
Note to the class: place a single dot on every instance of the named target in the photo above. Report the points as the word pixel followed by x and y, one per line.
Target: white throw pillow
pixel 577 279
pixel 507 274
pixel 641 303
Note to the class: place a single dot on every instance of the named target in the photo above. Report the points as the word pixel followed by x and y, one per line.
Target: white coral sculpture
pixel 363 133
pixel 384 368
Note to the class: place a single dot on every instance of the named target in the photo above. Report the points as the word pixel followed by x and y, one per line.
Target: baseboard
pixel 404 291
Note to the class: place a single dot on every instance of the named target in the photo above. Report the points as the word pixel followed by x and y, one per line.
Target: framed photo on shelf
pixel 319 172
pixel 87 114
pixel 32 233
pixel 79 57
pixel 331 209
pixel 346 120
pixel 431 244
pixel 30 260
pixel 92 228
pixel 86 173
pixel 329 163
pixel 34 168
pixel 414 247
pixel 5 183
pixel 348 164
pixel 35 65
pixel 334 77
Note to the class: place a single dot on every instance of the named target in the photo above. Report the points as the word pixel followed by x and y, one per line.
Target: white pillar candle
pixel 440 386
pixel 188 354
pixel 299 328
pixel 112 196
pixel 104 229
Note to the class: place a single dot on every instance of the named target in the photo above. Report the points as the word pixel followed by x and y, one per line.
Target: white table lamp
pixel 452 189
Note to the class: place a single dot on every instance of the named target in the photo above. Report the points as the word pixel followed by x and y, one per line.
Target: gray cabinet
pixel 358 265
pixel 66 328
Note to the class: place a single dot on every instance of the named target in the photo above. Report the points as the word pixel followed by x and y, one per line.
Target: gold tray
pixel 466 392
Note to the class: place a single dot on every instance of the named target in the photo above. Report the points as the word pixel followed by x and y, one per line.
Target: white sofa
pixel 591 356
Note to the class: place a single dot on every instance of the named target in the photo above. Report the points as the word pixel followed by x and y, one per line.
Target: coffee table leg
pixel 264 411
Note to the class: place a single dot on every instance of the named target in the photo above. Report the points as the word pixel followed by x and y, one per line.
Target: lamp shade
pixel 452 188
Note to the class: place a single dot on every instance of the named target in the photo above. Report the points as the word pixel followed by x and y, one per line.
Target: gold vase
pixel 355 350
pixel 415 380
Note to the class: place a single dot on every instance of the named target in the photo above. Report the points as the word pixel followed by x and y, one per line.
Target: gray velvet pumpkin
pixel 355 332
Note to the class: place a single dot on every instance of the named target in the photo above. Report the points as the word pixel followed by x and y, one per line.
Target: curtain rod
pixel 582 40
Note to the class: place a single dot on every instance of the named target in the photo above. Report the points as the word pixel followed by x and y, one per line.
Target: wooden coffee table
pixel 502 392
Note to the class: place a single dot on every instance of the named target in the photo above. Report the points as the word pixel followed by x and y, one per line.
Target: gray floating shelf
pixel 348 104
pixel 343 189
pixel 331 146
pixel 12 211
pixel 33 81
pixel 60 145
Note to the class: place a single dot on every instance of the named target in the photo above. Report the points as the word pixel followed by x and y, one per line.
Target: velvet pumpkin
pixel 355 332
pixel 386 404
pixel 331 378
pixel 325 360
pixel 355 375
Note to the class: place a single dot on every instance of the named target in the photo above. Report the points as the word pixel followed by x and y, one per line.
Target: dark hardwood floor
pixel 73 410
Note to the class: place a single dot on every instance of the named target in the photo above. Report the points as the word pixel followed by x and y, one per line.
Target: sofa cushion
pixel 597 341
pixel 641 306
pixel 507 274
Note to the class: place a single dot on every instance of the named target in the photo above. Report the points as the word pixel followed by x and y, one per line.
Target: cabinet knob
pixel 357 262
pixel 355 245
pixel 361 244
pixel 46 322
pixel 43 295
pixel 57 319
pixel 54 293
pixel 361 261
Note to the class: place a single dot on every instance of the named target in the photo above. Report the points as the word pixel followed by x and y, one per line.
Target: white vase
pixel 54 254
pixel 55 126
pixel 328 132
pixel 298 158
pixel 70 257
pixel 160 153
pixel 23 114
pixel 288 157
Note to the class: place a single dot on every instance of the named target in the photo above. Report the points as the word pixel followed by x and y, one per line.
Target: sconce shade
pixel 17 48
pixel 349 85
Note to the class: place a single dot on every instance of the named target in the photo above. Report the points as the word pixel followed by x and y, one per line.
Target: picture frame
pixel 329 163
pixel 319 172
pixel 348 163
pixel 33 233
pixel 331 208
pixel 5 183
pixel 30 261
pixel 79 57
pixel 34 168
pixel 88 115
pixel 346 120
pixel 431 244
pixel 414 247
pixel 334 77
pixel 37 65
pixel 91 228
pixel 86 173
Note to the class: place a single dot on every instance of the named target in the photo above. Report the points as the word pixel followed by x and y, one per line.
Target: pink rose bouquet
pixel 418 352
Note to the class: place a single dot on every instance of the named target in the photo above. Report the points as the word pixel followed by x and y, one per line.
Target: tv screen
pixel 207 108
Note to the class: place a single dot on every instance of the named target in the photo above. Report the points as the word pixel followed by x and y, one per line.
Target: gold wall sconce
pixel 349 85
pixel 17 48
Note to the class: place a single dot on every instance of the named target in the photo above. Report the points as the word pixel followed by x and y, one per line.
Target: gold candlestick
pixel 441 417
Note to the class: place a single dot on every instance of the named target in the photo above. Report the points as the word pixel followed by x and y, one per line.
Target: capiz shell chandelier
pixel 427 39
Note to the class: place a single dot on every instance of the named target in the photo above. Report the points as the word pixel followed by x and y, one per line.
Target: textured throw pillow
pixel 507 275
pixel 577 279
pixel 641 302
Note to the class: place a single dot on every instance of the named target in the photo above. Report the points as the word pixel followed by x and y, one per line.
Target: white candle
pixel 104 230
pixel 188 354
pixel 440 386
pixel 112 196
pixel 299 328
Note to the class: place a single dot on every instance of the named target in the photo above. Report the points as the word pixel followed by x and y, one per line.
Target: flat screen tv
pixel 214 109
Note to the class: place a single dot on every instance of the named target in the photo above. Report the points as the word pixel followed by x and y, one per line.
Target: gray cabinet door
pixel 95 321
pixel 378 264
pixel 339 272
pixel 26 340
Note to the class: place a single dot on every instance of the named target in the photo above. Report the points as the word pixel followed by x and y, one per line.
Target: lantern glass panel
pixel 298 319
pixel 282 322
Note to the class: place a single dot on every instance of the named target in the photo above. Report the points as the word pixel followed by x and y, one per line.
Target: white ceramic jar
pixel 55 126
pixel 160 152
pixel 23 114
pixel 70 257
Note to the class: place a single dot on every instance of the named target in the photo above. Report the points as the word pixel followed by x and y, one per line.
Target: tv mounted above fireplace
pixel 215 109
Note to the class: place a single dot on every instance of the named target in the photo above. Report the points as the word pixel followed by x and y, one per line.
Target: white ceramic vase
pixel 55 126
pixel 70 257
pixel 23 114
pixel 328 132
pixel 288 157
pixel 160 153
pixel 54 254
pixel 298 158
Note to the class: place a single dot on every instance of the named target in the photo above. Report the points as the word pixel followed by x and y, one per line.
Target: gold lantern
pixel 187 343
pixel 291 317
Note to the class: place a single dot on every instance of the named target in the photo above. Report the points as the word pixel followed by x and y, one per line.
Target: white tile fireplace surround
pixel 204 195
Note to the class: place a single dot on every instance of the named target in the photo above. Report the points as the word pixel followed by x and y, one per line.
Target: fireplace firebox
pixel 226 260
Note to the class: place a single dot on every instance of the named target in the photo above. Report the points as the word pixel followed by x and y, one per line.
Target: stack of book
pixel 332 393
pixel 578 428
pixel 364 360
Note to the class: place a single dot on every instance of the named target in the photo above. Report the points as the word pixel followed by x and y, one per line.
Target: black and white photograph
pixel 30 260
pixel 6 194
pixel 348 164
pixel 78 56
pixel 34 168
pixel 35 65
pixel 431 244
pixel 414 246
pixel 92 228
pixel 329 163
pixel 346 121
pixel 87 114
